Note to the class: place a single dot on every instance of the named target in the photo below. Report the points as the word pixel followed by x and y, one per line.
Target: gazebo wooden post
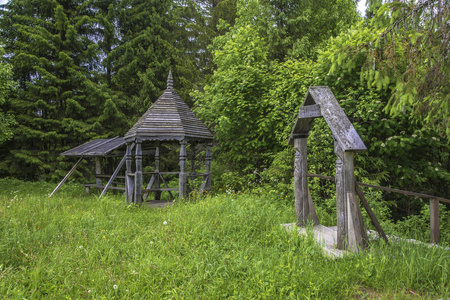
pixel 138 173
pixel 208 159
pixel 98 170
pixel 182 188
pixel 157 175
pixel 192 172
pixel 128 175
pixel 301 180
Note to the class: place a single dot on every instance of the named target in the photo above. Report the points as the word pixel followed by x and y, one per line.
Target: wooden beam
pixel 355 239
pixel 66 177
pixel 309 111
pixel 138 173
pixel 114 175
pixel 128 175
pixel 434 220
pixel 341 206
pixel 301 181
pixel 98 170
pixel 407 193
pixel 183 176
pixel 157 184
pixel 372 216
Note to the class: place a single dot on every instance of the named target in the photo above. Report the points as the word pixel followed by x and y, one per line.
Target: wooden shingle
pixel 169 119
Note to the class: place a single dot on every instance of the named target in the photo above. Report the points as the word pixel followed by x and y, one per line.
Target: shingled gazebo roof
pixel 169 119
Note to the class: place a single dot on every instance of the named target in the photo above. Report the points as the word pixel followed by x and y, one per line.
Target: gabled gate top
pixel 320 102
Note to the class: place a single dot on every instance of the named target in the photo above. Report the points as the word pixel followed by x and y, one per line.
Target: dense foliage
pixel 77 70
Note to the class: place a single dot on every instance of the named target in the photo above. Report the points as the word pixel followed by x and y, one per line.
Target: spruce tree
pixel 50 45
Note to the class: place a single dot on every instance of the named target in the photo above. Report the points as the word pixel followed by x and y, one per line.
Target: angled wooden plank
pixel 66 177
pixel 372 216
pixel 337 120
pixel 149 186
pixel 167 187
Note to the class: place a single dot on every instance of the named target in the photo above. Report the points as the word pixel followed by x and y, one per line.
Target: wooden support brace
pixel 66 177
pixel 372 216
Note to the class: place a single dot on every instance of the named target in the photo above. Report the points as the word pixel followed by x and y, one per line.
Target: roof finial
pixel 170 80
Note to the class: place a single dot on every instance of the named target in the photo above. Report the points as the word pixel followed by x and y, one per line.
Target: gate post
pixel 301 180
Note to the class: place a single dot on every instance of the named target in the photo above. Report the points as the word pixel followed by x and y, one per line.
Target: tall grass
pixel 74 246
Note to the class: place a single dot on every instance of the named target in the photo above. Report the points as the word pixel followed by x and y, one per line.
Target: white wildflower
pixel 115 286
pixel 383 145
pixel 165 222
pixel 414 135
pixel 436 169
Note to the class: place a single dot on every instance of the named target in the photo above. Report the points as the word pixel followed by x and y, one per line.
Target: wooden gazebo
pixel 168 120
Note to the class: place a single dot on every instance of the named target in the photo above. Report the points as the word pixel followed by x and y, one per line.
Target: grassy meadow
pixel 74 246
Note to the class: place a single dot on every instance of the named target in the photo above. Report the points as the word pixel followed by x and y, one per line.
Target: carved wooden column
pixel 138 173
pixel 182 188
pixel 128 177
pixel 208 159
pixel 341 199
pixel 301 181
pixel 157 175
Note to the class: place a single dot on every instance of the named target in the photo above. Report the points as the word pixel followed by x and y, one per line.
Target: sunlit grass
pixel 226 246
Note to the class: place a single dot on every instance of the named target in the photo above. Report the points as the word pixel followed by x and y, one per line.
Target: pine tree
pixel 55 62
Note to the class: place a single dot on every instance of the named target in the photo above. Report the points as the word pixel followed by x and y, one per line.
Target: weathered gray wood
pixel 138 174
pixel 355 240
pixel 169 118
pixel 100 147
pixel 406 193
pixel 341 202
pixel 167 187
pixel 372 216
pixel 301 181
pixel 114 175
pixel 309 111
pixel 129 189
pixel 157 182
pixel 98 170
pixel 312 210
pixel 434 221
pixel 337 120
pixel 149 186
pixel 183 176
pixel 208 159
pixel 66 177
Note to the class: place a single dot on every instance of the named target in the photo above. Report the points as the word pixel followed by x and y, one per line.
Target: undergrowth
pixel 74 246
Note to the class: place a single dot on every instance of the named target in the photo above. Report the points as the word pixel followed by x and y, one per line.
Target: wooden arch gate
pixel 320 102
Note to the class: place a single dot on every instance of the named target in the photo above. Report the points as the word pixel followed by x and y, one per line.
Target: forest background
pixel 73 71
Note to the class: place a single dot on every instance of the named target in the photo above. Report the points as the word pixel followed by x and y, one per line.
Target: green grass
pixel 73 246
